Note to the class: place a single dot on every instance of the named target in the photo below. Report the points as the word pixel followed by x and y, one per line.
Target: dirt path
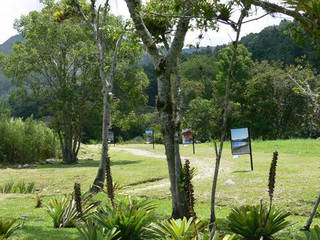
pixel 204 169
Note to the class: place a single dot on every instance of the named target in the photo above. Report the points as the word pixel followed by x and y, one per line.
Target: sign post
pixel 111 137
pixel 187 138
pixel 241 143
pixel 150 137
pixel 193 149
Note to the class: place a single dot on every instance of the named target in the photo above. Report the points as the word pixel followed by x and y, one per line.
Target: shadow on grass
pixel 90 163
pixel 241 171
pixel 38 232
pixel 80 164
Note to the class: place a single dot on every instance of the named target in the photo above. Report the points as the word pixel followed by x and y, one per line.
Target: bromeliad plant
pixel 7 227
pixel 259 222
pixel 130 217
pixel 70 209
pixel 179 229
pixel 250 222
pixel 313 234
pixel 91 230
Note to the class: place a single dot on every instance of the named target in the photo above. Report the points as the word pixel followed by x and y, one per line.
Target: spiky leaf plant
pixel 179 229
pixel 7 227
pixel 130 217
pixel 250 221
pixel 313 234
pixel 90 230
pixel 64 212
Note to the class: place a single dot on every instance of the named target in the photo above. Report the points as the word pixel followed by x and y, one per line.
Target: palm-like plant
pixel 179 229
pixel 253 222
pixel 130 217
pixel 7 227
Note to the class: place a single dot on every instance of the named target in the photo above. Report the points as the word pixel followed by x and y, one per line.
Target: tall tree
pixel 109 34
pixel 57 64
pixel 165 64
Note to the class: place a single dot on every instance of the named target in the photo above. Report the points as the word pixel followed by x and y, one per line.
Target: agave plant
pixel 7 227
pixel 253 222
pixel 313 234
pixel 90 230
pixel 64 212
pixel 179 229
pixel 130 217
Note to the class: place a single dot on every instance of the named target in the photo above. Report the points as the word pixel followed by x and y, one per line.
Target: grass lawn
pixel 297 182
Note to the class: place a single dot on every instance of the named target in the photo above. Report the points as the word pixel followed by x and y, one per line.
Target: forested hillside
pixel 263 96
pixel 5 48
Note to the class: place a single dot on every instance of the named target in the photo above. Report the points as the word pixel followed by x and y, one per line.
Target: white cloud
pixel 11 10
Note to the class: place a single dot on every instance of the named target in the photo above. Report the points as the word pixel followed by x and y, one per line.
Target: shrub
pixel 7 227
pixel 25 142
pixel 130 217
pixel 252 222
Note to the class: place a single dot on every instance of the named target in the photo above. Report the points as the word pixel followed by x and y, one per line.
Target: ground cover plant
pixel 18 187
pixel 141 172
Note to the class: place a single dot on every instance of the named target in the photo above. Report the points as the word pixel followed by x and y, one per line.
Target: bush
pixel 25 142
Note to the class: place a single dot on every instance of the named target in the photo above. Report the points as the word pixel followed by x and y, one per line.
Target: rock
pixel 19 166
pixel 229 182
pixel 26 166
pixel 50 161
pixel 93 155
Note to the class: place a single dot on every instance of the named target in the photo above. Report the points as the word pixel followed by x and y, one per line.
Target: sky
pixel 13 9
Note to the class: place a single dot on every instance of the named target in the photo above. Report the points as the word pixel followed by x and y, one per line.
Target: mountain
pixel 6 47
pixel 274 44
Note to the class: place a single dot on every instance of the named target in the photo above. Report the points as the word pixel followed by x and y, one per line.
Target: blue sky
pixel 13 9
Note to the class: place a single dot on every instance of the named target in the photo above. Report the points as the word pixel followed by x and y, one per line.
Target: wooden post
pixel 153 139
pixel 251 160
pixel 193 149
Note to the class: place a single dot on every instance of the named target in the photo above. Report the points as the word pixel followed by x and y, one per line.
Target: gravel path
pixel 204 169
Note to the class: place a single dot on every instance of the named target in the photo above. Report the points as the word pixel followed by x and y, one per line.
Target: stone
pixel 50 161
pixel 93 155
pixel 229 182
pixel 19 166
pixel 26 166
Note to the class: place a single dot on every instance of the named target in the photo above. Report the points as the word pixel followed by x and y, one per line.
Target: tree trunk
pixel 69 154
pixel 313 213
pixel 104 167
pixel 237 28
pixel 170 129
